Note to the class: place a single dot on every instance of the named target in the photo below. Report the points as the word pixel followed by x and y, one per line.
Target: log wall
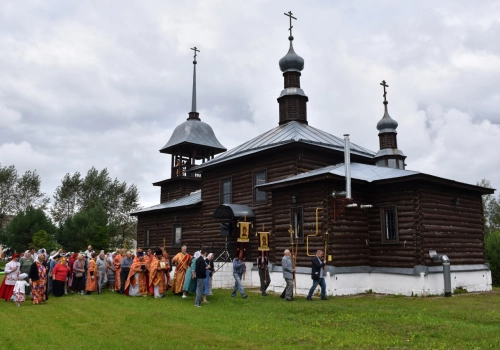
pixel 451 227
pixel 161 223
pixel 404 253
pixel 178 187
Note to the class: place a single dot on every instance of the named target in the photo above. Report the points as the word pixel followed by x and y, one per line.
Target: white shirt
pixel 89 253
pixel 20 286
pixel 11 273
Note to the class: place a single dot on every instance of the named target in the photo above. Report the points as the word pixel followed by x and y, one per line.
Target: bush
pixel 492 245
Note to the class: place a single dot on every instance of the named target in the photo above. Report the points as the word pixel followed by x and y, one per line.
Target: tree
pixel 20 231
pixel 28 192
pixel 492 246
pixel 43 239
pixel 8 179
pixel 76 194
pixel 86 227
pixel 66 197
pixel 19 193
pixel 491 210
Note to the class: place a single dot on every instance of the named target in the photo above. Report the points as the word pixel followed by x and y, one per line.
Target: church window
pixel 389 224
pixel 259 178
pixel 146 237
pixel 226 191
pixel 177 235
pixel 297 224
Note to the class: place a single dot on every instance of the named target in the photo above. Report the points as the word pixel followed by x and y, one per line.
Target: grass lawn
pixel 111 321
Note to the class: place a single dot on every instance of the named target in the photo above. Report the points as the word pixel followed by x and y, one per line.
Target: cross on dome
pixel 289 14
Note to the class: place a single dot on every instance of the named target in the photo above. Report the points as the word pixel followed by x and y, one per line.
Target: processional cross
pixel 289 14
pixel 384 84
pixel 195 52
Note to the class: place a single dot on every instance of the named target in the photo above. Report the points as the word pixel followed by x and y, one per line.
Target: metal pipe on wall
pixel 446 270
pixel 317 232
pixel 347 164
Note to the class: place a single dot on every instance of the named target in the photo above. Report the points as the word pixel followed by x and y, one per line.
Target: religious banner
pixel 244 231
pixel 263 241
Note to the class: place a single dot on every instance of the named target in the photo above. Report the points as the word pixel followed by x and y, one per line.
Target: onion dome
pixel 291 62
pixel 387 123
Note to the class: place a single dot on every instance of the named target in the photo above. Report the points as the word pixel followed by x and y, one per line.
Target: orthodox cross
pixel 384 84
pixel 289 14
pixel 195 51
pixel 193 103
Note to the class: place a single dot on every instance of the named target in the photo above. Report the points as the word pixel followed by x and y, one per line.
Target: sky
pixel 104 83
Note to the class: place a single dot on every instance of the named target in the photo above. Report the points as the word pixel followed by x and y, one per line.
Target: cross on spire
pixel 193 114
pixel 289 14
pixel 195 53
pixel 384 84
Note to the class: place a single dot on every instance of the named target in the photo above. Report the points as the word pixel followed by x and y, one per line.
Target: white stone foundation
pixel 357 280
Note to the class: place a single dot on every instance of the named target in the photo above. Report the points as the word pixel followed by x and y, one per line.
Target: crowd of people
pixel 37 274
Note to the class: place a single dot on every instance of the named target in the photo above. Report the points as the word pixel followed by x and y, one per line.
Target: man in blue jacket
pixel 318 267
pixel 239 268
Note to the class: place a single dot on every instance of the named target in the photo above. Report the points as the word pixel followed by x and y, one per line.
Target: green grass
pixel 111 321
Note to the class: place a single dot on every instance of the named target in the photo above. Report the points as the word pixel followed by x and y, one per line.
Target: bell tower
pixel 292 100
pixel 389 155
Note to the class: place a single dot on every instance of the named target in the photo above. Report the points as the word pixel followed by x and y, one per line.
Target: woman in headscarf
pixel 26 261
pixel 111 271
pixel 38 280
pixel 59 275
pixel 92 276
pixel 78 280
pixel 71 262
pixel 10 279
pixel 190 281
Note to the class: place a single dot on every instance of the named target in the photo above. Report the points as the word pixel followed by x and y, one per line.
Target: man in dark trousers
pixel 318 266
pixel 200 274
pixel 265 278
pixel 125 269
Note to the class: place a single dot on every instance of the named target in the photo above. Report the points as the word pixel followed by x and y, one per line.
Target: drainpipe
pixel 446 270
pixel 347 166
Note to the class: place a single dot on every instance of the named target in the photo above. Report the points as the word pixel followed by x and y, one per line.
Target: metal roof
pixel 191 199
pixel 288 133
pixel 230 211
pixel 193 132
pixel 363 172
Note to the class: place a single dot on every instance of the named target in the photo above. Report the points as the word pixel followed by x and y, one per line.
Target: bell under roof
pixel 284 134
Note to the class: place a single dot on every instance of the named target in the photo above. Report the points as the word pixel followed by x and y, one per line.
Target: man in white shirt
pixel 89 252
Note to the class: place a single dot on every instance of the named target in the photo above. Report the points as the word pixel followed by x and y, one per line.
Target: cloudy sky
pixel 104 83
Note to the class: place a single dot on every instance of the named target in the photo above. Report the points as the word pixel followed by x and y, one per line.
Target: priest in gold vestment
pixel 137 280
pixel 182 261
pixel 158 271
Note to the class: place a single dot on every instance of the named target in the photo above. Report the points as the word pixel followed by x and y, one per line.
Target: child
pixel 19 289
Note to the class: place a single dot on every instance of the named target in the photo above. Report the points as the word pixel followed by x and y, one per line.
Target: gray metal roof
pixel 364 172
pixel 284 134
pixel 191 199
pixel 229 211
pixel 193 132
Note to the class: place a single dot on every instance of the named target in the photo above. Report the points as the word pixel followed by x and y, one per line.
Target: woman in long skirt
pixel 78 282
pixel 38 280
pixel 10 279
pixel 59 275
pixel 111 271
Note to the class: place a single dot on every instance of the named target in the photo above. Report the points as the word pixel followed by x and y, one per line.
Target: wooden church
pixel 291 182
